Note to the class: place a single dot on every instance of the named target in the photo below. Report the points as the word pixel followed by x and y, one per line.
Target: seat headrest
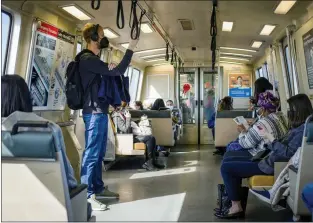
pixel 151 113
pixel 309 132
pixel 28 144
pixel 234 114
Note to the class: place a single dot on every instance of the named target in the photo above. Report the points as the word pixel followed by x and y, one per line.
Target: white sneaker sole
pixel 105 197
pixel 98 209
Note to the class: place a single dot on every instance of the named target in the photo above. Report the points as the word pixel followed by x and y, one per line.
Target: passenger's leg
pixel 237 155
pixel 91 156
pixel 103 133
pixel 101 191
pixel 233 172
pixel 92 150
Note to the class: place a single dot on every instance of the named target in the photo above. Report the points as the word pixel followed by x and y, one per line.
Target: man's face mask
pixel 170 107
pixel 104 43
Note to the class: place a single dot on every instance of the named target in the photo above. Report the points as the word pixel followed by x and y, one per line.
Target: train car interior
pixel 151 110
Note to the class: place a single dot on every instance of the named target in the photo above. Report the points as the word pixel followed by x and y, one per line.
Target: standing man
pixel 95 112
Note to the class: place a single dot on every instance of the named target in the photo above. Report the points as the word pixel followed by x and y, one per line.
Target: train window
pixel 260 71
pixel 288 69
pixel 257 75
pixel 78 48
pixel 134 82
pixel 265 71
pixel 6 34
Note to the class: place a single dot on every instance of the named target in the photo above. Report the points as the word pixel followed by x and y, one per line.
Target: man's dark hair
pixel 15 95
pixel 300 109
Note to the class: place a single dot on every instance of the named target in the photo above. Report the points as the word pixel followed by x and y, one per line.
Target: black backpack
pixel 74 89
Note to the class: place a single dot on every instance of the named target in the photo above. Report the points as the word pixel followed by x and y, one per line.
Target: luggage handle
pixel 31 124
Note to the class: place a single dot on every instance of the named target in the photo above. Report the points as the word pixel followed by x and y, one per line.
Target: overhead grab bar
pixel 213 32
pixel 120 19
pixel 93 6
pixel 134 23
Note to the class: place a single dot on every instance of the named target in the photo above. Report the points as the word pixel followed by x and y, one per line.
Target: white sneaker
pixel 95 204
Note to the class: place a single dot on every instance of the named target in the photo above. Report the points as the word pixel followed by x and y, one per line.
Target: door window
pixel 187 97
pixel 208 96
pixel 6 33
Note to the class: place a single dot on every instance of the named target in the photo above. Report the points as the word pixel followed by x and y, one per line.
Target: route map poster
pixel 53 51
pixel 239 85
pixel 308 54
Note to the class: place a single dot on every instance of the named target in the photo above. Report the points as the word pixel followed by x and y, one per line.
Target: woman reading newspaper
pixel 250 142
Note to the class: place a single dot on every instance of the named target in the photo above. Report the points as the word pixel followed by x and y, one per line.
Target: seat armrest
pixel 293 168
pixel 77 190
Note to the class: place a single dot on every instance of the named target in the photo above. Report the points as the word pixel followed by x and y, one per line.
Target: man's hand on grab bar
pixel 132 45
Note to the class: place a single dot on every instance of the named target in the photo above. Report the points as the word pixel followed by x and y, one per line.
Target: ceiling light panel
pixel 155 60
pixel 155 55
pixel 146 28
pixel 125 45
pixel 110 33
pixel 236 54
pixel 234 58
pixel 238 49
pixel 76 12
pixel 284 7
pixel 230 62
pixel 227 26
pixel 160 64
pixel 267 30
pixel 256 44
pixel 149 51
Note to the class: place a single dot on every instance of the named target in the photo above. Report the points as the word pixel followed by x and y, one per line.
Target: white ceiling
pixel 248 17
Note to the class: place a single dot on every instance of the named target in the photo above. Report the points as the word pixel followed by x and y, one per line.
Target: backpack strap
pixel 86 54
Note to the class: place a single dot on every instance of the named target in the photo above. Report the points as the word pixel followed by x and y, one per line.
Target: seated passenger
pixel 234 169
pixel 16 105
pixel 158 103
pixel 251 141
pixel 122 121
pixel 225 104
pixel 138 105
pixel 176 117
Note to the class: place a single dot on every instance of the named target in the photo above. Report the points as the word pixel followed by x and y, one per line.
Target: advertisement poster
pixel 308 53
pixel 52 53
pixel 239 85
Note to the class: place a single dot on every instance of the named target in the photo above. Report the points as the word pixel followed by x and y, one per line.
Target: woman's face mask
pixel 259 112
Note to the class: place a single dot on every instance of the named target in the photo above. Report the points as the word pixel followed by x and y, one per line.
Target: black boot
pixel 148 165
pixel 157 164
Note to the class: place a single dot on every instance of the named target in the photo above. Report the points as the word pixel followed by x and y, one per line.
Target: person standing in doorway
pixel 95 112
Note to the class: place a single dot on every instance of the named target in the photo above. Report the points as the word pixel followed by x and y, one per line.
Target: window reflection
pixel 187 97
pixel 209 86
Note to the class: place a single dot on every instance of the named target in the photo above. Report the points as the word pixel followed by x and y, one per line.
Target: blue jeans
pixel 234 146
pixel 96 133
pixel 233 171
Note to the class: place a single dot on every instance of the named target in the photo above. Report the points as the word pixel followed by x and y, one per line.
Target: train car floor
pixel 185 191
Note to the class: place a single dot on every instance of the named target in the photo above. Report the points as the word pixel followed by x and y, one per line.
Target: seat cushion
pixel 261 181
pixel 139 146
